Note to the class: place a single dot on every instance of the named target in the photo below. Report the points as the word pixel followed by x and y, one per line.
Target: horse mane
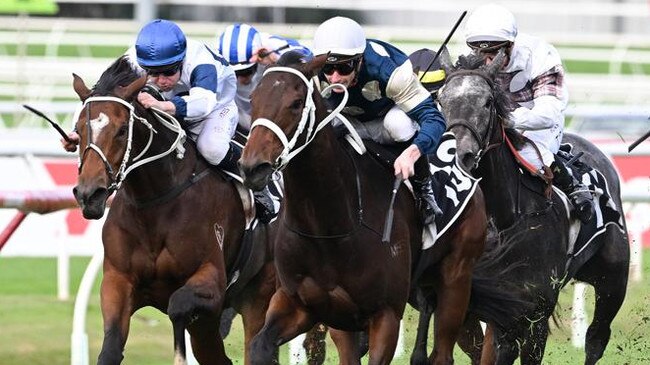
pixel 502 102
pixel 121 73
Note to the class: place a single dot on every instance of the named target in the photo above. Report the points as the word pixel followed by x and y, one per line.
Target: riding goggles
pixel 167 70
pixel 344 68
pixel 488 46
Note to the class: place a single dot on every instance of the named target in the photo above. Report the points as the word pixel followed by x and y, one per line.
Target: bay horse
pixel 477 110
pixel 331 263
pixel 174 229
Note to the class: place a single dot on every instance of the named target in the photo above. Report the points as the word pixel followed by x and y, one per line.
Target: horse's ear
pixel 445 61
pixel 313 67
pixel 129 92
pixel 80 87
pixel 497 63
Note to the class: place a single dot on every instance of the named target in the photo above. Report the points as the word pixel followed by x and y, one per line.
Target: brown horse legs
pixel 347 347
pixel 453 299
pixel 382 337
pixel 198 298
pixel 116 311
pixel 285 319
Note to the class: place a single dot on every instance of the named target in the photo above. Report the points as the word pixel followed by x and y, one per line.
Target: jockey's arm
pixel 202 99
pixel 411 97
pixel 549 102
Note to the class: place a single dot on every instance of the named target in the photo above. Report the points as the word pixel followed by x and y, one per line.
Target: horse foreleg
pixel 383 332
pixel 453 300
pixel 532 349
pixel 419 355
pixel 488 354
pixel 117 307
pixel 196 306
pixel 471 338
pixel 253 304
pixel 347 346
pixel 285 319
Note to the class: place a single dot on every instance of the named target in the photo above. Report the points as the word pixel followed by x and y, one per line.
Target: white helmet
pixel 339 35
pixel 490 22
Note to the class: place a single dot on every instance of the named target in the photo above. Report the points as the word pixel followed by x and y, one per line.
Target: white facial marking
pixel 98 124
pixel 277 83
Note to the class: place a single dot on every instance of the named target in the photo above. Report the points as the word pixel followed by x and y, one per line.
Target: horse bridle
pixel 484 141
pixel 308 120
pixel 116 178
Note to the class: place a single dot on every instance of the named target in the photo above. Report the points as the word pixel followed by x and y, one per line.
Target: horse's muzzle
pixel 257 175
pixel 92 201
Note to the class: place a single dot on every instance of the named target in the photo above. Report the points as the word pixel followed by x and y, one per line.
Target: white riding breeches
pixel 395 126
pixel 547 141
pixel 215 132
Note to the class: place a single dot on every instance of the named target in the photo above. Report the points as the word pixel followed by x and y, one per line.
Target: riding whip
pixel 54 124
pixel 388 225
pixel 442 46
pixel 638 141
pixel 264 54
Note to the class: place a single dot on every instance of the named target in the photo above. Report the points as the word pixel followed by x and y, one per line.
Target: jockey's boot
pixel 577 192
pixel 423 190
pixel 264 208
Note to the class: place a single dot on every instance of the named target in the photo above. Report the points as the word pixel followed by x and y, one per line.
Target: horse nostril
pixel 467 160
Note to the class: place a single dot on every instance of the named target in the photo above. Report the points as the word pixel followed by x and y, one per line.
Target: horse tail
pixel 496 296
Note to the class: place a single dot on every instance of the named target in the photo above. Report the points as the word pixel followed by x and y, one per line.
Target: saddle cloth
pixel 606 211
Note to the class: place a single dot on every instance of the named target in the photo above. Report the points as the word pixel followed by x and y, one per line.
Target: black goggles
pixel 344 68
pixel 167 71
pixel 488 46
pixel 247 71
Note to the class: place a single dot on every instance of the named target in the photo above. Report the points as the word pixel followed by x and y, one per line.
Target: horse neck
pixel 157 177
pixel 320 183
pixel 500 176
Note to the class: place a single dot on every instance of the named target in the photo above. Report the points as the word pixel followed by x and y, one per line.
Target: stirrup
pixel 429 209
pixel 583 204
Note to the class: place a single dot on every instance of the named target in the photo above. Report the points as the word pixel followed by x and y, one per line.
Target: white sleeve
pixel 546 113
pixel 404 88
pixel 200 102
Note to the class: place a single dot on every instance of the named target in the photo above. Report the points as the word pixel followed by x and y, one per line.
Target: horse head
pixel 105 126
pixel 284 103
pixel 474 105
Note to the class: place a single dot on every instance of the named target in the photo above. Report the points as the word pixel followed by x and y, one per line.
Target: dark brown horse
pixel 331 263
pixel 175 226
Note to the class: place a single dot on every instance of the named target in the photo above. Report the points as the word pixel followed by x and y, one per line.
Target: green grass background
pixel 35 327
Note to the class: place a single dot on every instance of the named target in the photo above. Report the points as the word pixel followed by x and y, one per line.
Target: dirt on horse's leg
pixel 116 307
pixel 314 344
pixel 200 299
pixel 470 339
pixel 383 332
pixel 347 347
pixel 284 320
pixel 453 299
pixel 488 355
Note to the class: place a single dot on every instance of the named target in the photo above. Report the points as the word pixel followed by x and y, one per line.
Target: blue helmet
pixel 160 43
pixel 237 44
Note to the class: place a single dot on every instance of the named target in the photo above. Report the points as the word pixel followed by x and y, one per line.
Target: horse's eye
pixel 297 104
pixel 121 133
pixel 488 103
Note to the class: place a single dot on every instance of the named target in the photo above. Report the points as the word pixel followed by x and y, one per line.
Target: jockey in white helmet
pixel 534 78
pixel 386 101
pixel 249 52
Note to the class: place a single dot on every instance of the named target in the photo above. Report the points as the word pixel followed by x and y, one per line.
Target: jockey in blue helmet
pixel 249 52
pixel 198 86
pixel 387 103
